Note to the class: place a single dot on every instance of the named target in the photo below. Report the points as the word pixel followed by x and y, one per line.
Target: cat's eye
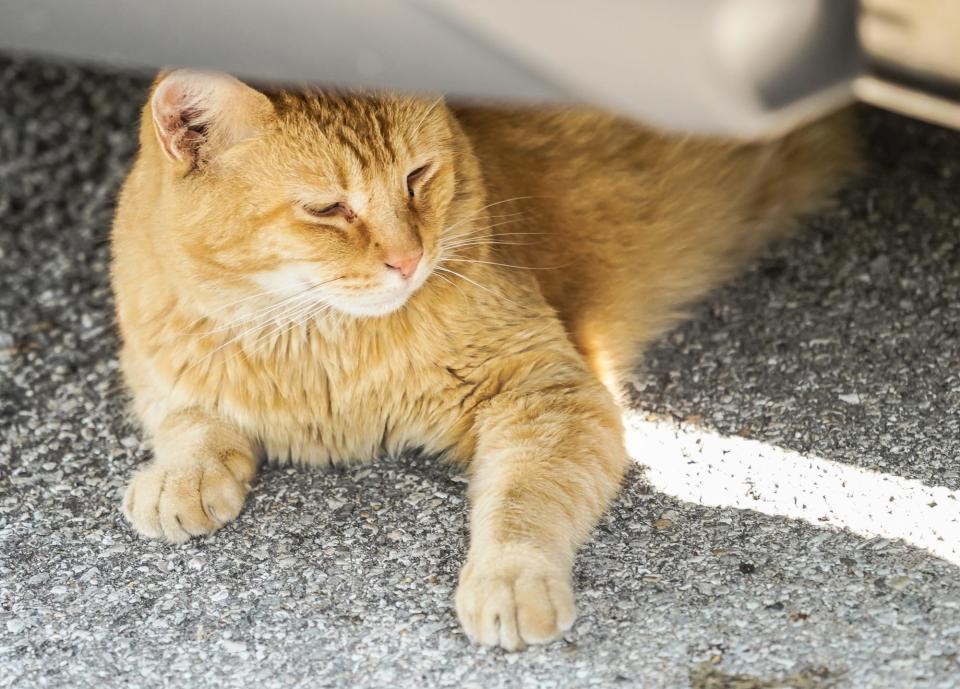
pixel 340 209
pixel 326 211
pixel 414 177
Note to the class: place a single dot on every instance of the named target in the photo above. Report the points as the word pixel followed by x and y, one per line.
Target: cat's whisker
pixel 450 247
pixel 318 308
pixel 300 316
pixel 307 307
pixel 483 242
pixel 312 309
pixel 493 234
pixel 259 315
pixel 496 217
pixel 474 230
pixel 224 307
pixel 512 198
pixel 505 265
pixel 517 234
pixel 252 346
pixel 450 282
pixel 506 215
pixel 270 332
pixel 488 239
pixel 233 340
pixel 485 289
pixel 479 231
pixel 301 304
pixel 492 217
pixel 483 208
pixel 499 216
pixel 476 233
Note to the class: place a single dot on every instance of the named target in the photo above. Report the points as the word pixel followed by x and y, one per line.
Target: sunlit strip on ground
pixel 710 469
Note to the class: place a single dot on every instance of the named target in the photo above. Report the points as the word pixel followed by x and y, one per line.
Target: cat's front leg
pixel 197 481
pixel 547 465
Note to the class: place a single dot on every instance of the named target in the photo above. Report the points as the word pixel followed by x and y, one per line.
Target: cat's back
pixel 625 225
pixel 542 147
pixel 590 161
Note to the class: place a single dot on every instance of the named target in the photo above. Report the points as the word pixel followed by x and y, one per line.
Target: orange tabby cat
pixel 319 278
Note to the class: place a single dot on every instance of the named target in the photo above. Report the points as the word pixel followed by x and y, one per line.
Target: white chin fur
pixel 373 308
pixel 288 281
pixel 369 309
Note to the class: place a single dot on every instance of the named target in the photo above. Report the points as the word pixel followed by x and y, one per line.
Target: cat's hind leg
pixel 612 341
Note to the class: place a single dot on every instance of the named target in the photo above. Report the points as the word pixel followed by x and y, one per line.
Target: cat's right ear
pixel 197 115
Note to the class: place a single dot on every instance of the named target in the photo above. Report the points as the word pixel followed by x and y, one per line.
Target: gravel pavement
pixel 840 344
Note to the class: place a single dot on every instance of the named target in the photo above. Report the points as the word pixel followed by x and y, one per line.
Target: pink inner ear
pixel 169 112
pixel 196 115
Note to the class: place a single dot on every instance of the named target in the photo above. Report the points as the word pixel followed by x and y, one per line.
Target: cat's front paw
pixel 177 501
pixel 511 601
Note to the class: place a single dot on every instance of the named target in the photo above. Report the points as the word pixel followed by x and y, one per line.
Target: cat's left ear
pixel 198 115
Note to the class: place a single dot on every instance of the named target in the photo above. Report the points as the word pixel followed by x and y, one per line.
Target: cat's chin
pixel 371 309
pixel 374 308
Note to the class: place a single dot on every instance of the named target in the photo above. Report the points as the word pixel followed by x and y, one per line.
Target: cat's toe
pixel 176 502
pixel 501 606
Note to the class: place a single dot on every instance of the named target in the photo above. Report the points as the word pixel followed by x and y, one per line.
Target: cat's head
pixel 329 199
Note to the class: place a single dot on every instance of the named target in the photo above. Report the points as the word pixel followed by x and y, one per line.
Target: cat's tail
pixel 801 172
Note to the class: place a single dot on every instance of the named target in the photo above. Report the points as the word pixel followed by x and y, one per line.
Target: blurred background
pixel 747 68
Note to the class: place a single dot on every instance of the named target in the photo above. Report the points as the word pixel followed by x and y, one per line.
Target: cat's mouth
pixel 297 285
pixel 385 301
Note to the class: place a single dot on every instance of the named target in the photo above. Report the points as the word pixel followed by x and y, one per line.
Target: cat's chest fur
pixel 334 393
pixel 317 397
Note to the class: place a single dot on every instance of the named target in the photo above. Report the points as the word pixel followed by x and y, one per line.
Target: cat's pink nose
pixel 405 263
